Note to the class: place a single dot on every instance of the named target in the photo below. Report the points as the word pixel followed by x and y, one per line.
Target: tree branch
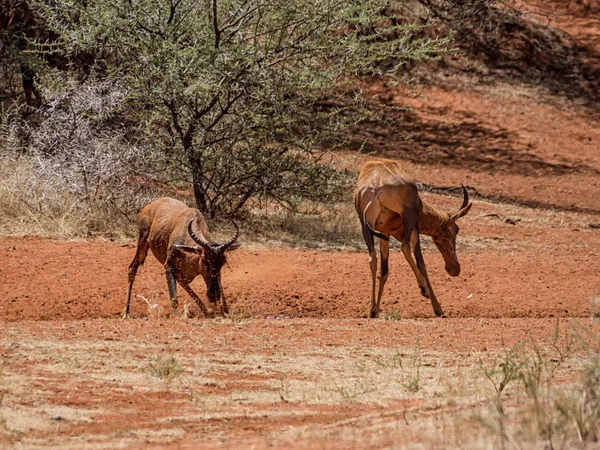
pixel 215 24
pixel 174 6
pixel 174 117
pixel 224 111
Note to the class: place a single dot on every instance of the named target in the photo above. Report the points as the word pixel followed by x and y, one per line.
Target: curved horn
pixel 230 242
pixel 465 197
pixel 466 206
pixel 201 242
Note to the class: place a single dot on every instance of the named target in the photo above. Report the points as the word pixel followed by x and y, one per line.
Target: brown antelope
pixel 388 204
pixel 165 227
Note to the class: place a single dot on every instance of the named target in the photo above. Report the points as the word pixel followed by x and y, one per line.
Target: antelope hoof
pixel 125 315
pixel 373 315
pixel 425 292
pixel 440 313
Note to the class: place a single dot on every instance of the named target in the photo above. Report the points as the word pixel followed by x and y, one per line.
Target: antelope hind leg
pixel 139 258
pixel 374 312
pixel 384 249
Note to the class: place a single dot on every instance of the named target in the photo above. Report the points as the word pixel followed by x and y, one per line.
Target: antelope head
pixel 444 237
pixel 213 257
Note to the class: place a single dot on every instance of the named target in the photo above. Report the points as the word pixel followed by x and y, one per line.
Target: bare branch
pixel 215 24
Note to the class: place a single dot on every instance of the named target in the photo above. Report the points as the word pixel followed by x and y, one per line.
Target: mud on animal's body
pixel 166 228
pixel 388 204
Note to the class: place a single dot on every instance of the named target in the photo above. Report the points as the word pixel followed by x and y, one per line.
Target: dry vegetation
pixel 32 202
pixel 67 173
pixel 526 395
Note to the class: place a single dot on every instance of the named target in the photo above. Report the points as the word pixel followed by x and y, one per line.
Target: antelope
pixel 388 204
pixel 165 227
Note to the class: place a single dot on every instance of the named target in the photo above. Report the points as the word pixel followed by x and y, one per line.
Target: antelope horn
pixel 465 197
pixel 466 206
pixel 230 242
pixel 201 242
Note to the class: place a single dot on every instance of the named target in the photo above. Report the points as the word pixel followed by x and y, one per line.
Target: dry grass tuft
pixel 332 227
pixel 560 414
pixel 393 315
pixel 33 203
pixel 165 368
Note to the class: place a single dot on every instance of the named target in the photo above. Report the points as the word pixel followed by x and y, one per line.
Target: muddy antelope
pixel 388 204
pixel 166 227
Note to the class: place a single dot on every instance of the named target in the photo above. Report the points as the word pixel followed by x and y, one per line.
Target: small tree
pixel 240 85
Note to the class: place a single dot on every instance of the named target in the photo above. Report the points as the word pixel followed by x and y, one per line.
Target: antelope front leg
pixel 172 285
pixel 201 305
pixel 425 292
pixel 437 308
pixel 224 307
pixel 407 252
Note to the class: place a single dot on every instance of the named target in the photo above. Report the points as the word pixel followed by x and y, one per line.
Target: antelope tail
pixel 366 222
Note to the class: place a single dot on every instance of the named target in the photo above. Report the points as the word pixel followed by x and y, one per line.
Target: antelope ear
pixel 233 247
pixel 461 213
pixel 188 248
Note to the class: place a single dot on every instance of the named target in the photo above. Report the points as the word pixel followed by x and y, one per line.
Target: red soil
pixel 507 271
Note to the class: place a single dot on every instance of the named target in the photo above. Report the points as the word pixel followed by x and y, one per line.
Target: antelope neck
pixel 430 219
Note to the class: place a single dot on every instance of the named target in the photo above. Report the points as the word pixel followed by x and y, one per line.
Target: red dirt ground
pixel 532 159
pixel 527 270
